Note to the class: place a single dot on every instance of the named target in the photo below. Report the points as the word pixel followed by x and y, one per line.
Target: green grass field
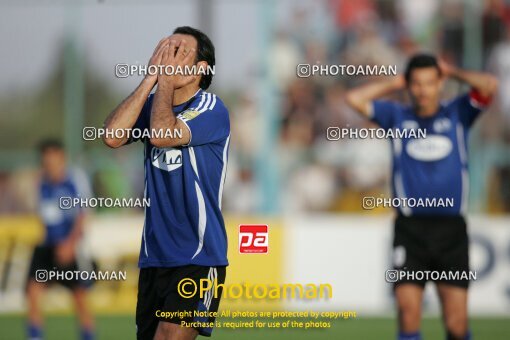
pixel 122 327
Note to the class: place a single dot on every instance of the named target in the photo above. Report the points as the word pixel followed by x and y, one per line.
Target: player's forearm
pixel 162 115
pixel 126 114
pixel 486 84
pixel 361 98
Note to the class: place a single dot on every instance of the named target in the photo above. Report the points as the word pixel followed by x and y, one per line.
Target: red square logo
pixel 253 239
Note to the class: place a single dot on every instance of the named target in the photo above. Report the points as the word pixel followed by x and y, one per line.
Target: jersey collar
pixel 184 106
pixel 440 109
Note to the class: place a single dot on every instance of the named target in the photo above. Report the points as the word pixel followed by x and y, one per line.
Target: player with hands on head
pixel 429 238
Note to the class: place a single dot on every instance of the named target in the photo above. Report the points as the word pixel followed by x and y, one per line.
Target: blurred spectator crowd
pixel 313 173
pixel 320 175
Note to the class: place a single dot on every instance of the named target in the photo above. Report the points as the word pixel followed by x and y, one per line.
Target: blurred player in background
pixel 184 234
pixel 59 251
pixel 429 238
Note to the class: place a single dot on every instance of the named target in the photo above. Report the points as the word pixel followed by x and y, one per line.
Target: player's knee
pixel 79 293
pixel 410 314
pixel 32 289
pixel 457 326
pixel 410 319
pixel 29 289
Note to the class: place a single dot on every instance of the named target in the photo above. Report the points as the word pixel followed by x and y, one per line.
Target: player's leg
pixel 83 312
pixel 454 257
pixel 78 289
pixel 35 291
pixel 455 310
pixel 409 299
pixel 172 331
pixel 42 261
pixel 148 303
pixel 410 254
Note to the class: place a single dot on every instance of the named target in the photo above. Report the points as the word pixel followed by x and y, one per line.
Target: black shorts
pixel 44 261
pixel 159 298
pixel 431 243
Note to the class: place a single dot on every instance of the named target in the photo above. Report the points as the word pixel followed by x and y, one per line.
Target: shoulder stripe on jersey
pixel 202 99
pixel 223 171
pixel 213 102
pixel 206 106
pixel 202 219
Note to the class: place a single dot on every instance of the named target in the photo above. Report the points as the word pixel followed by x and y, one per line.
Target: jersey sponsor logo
pixel 432 148
pixel 168 159
pixel 410 125
pixel 442 125
pixel 50 212
pixel 190 114
pixel 253 239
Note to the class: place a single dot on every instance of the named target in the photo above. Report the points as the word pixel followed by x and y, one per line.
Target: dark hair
pixel 50 143
pixel 205 52
pixel 421 61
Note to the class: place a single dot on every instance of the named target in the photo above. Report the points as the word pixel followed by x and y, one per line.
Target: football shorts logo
pixel 253 239
pixel 432 148
pixel 410 125
pixel 168 159
pixel 50 212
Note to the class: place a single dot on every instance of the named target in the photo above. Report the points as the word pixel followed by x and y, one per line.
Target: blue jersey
pixel 58 222
pixel 184 224
pixel 434 167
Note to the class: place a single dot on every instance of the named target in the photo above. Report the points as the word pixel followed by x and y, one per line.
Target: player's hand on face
pixel 177 56
pixel 65 253
pixel 156 57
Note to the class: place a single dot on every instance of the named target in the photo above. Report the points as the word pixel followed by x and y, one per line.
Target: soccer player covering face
pixel 435 167
pixel 184 233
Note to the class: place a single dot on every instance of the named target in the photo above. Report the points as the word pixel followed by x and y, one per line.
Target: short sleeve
pixel 143 122
pixel 81 182
pixel 207 125
pixel 469 106
pixel 384 113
